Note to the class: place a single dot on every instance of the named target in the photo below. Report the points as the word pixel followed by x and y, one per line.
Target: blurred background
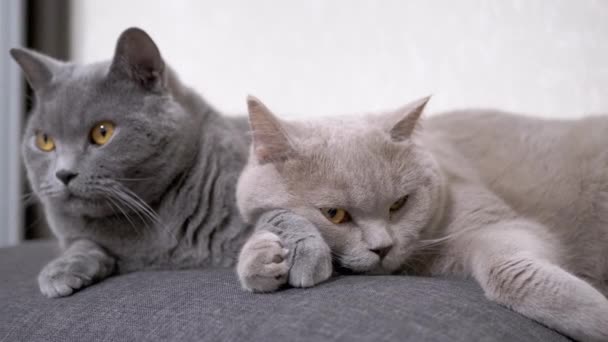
pixel 317 57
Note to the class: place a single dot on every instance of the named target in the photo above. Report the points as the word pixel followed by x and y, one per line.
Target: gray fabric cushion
pixel 209 305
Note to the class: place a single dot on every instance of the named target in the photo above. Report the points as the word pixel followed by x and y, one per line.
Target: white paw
pixel 61 278
pixel 312 263
pixel 262 265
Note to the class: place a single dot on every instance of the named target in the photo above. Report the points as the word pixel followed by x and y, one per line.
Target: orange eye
pixel 336 215
pixel 44 142
pixel 102 132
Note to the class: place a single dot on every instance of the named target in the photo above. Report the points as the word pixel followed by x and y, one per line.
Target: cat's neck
pixel 433 237
pixel 439 196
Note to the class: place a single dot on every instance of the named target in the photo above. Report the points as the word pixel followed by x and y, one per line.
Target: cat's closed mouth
pixel 72 197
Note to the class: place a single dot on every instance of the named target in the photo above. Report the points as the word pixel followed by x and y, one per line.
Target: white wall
pixel 11 110
pixel 314 57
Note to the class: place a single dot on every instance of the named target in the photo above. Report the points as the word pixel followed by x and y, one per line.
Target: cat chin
pixel 370 263
pixel 374 270
pixel 392 262
pixel 81 206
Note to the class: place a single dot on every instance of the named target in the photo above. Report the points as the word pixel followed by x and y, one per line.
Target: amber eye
pixel 398 204
pixel 102 132
pixel 336 215
pixel 44 142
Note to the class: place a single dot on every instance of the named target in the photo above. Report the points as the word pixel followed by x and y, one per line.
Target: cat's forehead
pixel 75 78
pixel 70 89
pixel 348 142
pixel 343 178
pixel 340 131
pixel 76 99
pixel 349 162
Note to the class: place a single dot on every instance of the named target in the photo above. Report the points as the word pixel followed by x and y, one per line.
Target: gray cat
pixel 517 203
pixel 134 170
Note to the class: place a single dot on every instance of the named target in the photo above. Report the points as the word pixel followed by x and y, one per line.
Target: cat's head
pixel 365 182
pixel 102 133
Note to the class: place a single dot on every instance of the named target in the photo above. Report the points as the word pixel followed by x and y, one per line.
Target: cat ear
pixel 408 117
pixel 137 58
pixel 270 140
pixel 38 68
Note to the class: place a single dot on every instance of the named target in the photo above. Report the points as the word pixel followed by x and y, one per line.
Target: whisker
pixel 337 257
pixel 133 179
pixel 47 193
pixel 444 239
pixel 29 199
pixel 117 195
pixel 127 202
pixel 137 207
pixel 28 194
pixel 140 205
pixel 143 205
pixel 32 196
pixel 124 213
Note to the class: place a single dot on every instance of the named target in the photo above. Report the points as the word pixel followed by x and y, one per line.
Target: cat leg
pixel 81 264
pixel 285 249
pixel 515 267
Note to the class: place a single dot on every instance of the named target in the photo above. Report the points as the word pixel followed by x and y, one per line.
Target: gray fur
pixel 285 249
pixel 159 194
pixel 517 203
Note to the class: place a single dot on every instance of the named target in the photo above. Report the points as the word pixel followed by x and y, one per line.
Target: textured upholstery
pixel 209 305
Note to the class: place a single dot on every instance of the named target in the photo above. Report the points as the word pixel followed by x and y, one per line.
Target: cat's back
pixel 553 170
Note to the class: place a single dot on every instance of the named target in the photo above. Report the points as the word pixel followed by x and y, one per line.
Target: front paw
pixel 61 278
pixel 262 266
pixel 311 262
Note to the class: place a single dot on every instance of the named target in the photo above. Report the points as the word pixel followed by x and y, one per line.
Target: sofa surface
pixel 209 305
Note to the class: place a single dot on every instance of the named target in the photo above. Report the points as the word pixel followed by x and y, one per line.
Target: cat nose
pixel 382 251
pixel 65 176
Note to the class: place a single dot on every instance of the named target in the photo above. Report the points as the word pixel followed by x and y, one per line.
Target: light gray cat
pixel 517 203
pixel 134 170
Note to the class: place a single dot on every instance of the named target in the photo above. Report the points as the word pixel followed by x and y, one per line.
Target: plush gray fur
pixel 159 194
pixel 285 249
pixel 517 203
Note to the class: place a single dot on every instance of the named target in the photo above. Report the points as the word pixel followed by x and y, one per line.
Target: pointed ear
pixel 38 68
pixel 270 140
pixel 407 118
pixel 138 59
